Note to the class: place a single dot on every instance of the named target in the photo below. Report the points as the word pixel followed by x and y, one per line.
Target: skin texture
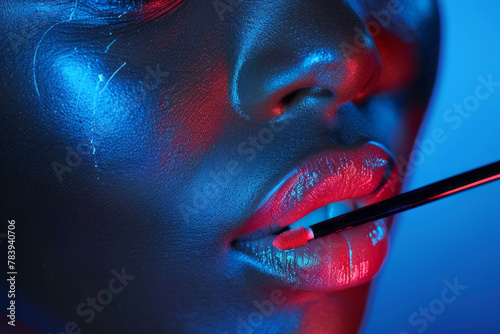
pixel 158 102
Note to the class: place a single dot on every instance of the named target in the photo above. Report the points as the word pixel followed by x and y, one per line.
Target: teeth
pixel 325 212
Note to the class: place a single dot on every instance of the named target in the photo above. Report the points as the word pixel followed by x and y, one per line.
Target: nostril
pixel 300 96
pixel 308 93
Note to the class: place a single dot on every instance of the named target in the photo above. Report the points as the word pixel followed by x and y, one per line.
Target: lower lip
pixel 339 261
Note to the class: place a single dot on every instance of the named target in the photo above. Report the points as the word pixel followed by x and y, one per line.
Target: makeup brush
pixel 300 236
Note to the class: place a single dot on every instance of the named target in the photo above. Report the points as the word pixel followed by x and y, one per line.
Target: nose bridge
pixel 303 46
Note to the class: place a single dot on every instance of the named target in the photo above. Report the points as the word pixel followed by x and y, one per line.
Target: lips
pixel 338 261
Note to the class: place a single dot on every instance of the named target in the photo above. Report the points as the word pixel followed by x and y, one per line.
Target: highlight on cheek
pixel 94 105
pixel 92 93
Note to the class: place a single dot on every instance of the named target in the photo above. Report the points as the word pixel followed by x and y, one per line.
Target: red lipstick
pixel 346 259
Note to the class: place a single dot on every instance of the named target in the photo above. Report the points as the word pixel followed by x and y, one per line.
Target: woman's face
pixel 166 142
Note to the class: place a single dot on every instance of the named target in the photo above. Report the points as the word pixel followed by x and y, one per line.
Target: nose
pixel 316 52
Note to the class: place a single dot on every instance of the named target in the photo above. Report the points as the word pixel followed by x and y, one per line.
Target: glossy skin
pixel 148 150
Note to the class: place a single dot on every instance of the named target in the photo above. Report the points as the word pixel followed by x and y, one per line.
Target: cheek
pixel 131 111
pixel 196 115
pixel 89 100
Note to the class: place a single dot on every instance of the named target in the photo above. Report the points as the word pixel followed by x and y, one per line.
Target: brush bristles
pixel 293 238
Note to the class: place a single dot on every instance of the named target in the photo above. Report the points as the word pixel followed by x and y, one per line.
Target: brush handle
pixel 409 200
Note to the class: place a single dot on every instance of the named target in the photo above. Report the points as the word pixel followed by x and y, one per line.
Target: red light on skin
pixel 159 6
pixel 183 138
pixel 399 65
pixel 339 312
pixel 151 9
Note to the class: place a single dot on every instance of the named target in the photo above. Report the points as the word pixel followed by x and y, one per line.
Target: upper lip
pixel 326 177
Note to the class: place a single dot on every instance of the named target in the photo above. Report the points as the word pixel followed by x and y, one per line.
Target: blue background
pixel 457 237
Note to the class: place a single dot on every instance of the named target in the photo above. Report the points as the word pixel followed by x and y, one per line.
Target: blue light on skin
pixel 131 217
pixel 319 57
pixel 39 43
pixel 99 108
pixel 251 38
pixel 351 268
pixel 277 263
pixel 377 233
pixel 87 85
